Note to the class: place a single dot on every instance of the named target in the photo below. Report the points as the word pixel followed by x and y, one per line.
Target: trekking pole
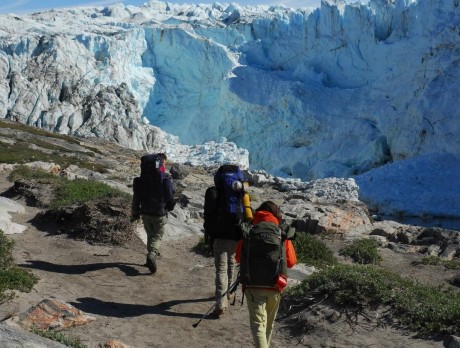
pixel 231 289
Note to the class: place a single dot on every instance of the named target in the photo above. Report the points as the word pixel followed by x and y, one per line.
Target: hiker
pixel 222 214
pixel 152 199
pixel 264 254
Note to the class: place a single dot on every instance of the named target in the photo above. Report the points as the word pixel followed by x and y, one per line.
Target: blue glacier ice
pixel 344 90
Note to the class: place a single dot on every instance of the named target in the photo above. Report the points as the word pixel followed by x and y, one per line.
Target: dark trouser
pixel 154 227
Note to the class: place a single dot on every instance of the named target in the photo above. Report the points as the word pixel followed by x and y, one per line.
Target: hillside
pixel 336 91
pixel 110 282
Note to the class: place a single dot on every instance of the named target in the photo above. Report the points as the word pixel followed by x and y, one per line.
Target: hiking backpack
pixel 262 255
pixel 150 186
pixel 229 183
pixel 223 204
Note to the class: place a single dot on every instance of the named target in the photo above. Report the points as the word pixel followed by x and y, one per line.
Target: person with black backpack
pixel 223 212
pixel 264 254
pixel 152 199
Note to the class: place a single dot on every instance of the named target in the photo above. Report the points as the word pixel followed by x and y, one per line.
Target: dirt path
pixel 144 310
pixel 130 304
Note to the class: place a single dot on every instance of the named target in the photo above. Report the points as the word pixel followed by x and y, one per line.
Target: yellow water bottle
pixel 247 203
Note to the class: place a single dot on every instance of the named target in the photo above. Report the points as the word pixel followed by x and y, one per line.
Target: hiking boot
pixel 231 297
pixel 151 263
pixel 217 312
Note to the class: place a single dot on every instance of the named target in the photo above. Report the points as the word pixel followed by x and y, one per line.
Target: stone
pixel 52 314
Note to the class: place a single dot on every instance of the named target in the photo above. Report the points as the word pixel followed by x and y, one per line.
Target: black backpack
pixel 149 186
pixel 262 255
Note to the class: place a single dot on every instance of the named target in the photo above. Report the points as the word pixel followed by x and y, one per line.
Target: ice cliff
pixel 340 90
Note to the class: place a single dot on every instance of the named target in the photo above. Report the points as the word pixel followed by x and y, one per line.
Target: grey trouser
pixel 224 260
pixel 155 228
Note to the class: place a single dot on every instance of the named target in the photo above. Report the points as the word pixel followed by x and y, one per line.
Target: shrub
pixel 313 251
pixel 363 251
pixel 67 192
pixel 80 191
pixel 28 173
pixel 59 337
pixel 6 250
pixel 425 309
pixel 11 276
pixel 437 261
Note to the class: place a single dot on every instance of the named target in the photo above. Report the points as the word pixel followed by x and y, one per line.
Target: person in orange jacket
pixel 264 254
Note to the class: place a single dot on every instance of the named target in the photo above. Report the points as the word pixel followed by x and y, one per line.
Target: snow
pixel 367 91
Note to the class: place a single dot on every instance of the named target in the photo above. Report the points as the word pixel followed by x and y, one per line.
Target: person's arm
pixel 135 205
pixel 170 202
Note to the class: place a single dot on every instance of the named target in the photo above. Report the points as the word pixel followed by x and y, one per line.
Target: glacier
pixel 344 90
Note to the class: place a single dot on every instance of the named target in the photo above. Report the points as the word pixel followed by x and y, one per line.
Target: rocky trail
pixel 124 302
pixel 132 306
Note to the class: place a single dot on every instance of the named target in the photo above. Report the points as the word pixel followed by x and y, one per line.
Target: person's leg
pixel 157 224
pixel 154 227
pixel 220 262
pixel 256 302
pixel 230 247
pixel 273 302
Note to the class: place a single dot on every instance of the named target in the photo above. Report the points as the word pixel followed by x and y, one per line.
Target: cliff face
pixel 334 91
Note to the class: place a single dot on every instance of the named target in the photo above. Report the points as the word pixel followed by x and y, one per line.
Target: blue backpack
pixel 229 183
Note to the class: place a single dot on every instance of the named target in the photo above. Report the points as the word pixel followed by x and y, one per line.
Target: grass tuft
pixel 12 277
pixel 363 251
pixel 80 191
pixel 312 251
pixel 437 261
pixel 59 337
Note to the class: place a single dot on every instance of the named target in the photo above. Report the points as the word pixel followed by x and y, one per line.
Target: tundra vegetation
pixel 351 288
pixel 12 277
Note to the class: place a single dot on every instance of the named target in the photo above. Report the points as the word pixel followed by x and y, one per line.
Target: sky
pixel 30 6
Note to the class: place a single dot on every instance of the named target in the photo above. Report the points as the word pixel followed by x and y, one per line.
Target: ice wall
pixel 333 91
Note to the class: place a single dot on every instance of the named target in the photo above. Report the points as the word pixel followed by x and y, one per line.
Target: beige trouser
pixel 263 306
pixel 224 260
pixel 155 228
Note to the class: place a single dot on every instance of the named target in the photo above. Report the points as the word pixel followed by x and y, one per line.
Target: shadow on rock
pixel 123 310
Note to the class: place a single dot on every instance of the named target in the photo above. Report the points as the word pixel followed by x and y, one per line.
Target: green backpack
pixel 263 256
